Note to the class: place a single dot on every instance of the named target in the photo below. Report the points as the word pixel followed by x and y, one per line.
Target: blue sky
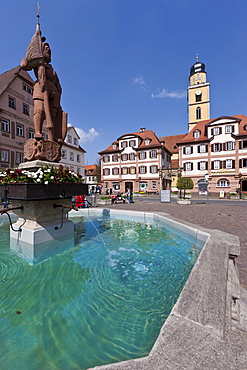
pixel 124 64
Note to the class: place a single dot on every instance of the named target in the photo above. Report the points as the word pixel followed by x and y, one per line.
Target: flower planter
pixel 183 201
pixel 234 196
pixel 104 202
pixel 30 191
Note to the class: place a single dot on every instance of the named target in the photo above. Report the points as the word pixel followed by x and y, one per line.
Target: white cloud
pixel 87 136
pixel 139 80
pixel 173 94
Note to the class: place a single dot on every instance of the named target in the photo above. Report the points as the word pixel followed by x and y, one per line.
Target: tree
pixel 184 183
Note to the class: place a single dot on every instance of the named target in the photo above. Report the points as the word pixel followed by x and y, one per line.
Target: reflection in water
pixel 92 303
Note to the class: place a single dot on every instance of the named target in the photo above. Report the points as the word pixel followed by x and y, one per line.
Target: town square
pixel 123 185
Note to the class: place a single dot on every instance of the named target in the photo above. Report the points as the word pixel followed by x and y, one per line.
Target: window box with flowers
pixel 45 183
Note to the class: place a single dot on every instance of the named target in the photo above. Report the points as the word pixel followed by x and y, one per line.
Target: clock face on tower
pixel 198 92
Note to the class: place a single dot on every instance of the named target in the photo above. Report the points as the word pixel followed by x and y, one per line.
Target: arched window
pixel 198 113
pixel 223 183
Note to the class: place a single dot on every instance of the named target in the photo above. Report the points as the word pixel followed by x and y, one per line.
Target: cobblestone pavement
pixel 225 217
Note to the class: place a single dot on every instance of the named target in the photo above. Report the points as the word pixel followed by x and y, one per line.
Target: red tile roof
pixel 7 77
pixel 170 142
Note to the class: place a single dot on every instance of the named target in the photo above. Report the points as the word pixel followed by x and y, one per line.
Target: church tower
pixel 198 95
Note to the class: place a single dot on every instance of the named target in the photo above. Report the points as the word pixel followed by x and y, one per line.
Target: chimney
pixel 142 129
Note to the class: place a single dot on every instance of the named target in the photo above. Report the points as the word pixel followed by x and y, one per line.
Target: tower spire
pixel 37 12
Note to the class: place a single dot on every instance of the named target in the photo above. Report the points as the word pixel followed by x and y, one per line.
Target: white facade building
pixel 134 161
pixel 72 153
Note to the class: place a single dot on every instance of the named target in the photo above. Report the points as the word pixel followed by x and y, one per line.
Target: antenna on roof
pixel 197 58
pixel 37 11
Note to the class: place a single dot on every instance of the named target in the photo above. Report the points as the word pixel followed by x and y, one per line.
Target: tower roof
pixel 197 67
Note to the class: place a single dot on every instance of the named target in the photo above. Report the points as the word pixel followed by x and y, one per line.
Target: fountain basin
pixel 200 323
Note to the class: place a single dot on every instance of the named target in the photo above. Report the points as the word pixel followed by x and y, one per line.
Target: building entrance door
pixel 129 185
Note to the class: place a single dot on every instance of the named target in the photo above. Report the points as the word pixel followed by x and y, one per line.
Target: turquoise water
pixel 102 301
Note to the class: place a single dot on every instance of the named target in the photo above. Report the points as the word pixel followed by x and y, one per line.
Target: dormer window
pixel 147 141
pixel 124 144
pixel 114 146
pixel 132 142
pixel 196 134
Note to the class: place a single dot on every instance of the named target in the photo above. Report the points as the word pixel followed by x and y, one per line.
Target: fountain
pixel 42 207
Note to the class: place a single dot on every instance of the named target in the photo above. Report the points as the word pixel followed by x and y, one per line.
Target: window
pixel 115 171
pixel 125 171
pixel 153 154
pixel 115 158
pixel 202 148
pixel 31 134
pixel 78 158
pixel 115 186
pixel 27 88
pixel 124 157
pixel 64 154
pixel 223 183
pixel 132 170
pixel 75 141
pixel 106 172
pixel 71 168
pixel 196 134
pixel 243 162
pixel 216 165
pixel 25 108
pixel 154 169
pixel 19 130
pixel 228 129
pixel 188 166
pixel 147 141
pixel 198 113
pixel 5 125
pixel 114 146
pixel 71 156
pixel 142 155
pixel 216 147
pixel 106 158
pixel 124 144
pixel 243 145
pixel 202 165
pixel 4 155
pixel 198 96
pixel 187 150
pixel 12 102
pixel 132 142
pixel 18 158
pixel 154 185
pixel 69 139
pixel 216 131
pixel 142 169
pixel 132 156
pixel 229 145
pixel 228 163
pixel 78 170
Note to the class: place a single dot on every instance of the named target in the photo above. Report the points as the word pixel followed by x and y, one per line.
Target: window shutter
pixel 145 169
pixel 198 149
pixel 184 166
pixel 224 146
pixel 206 164
pixel 212 132
pixel 233 163
pixel 191 149
pixel 212 148
pixel 206 146
pixel 220 130
pixel 240 163
pixel 150 154
pixel 198 165
pixel 233 127
pixel 212 165
pixel 184 150
pixel 104 172
pixel 222 164
pixel 139 169
pixel 191 166
pixel 240 144
pixel 150 169
pixel 220 147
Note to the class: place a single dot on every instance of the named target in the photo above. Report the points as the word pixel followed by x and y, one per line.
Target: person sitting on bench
pixel 118 198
